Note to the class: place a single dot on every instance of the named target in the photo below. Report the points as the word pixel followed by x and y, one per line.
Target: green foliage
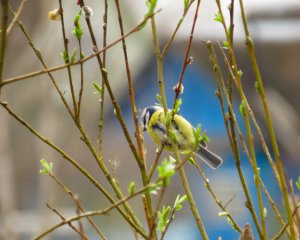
pixel 131 188
pixel 177 106
pixel 226 44
pixel 154 188
pixel 151 4
pixel 73 56
pixel 173 136
pixel 249 42
pixel 223 214
pixel 169 117
pixel 240 74
pixel 78 30
pixel 47 167
pixel 64 56
pixel 298 183
pixel 265 212
pixel 200 136
pixel 218 17
pixel 186 4
pixel 163 218
pixel 97 88
pixel 243 108
pixel 167 169
pixel 159 99
pixel 179 202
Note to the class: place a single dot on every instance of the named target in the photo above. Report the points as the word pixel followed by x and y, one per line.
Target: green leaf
pixel 298 183
pixel 226 44
pixel 243 108
pixel 73 56
pixel 167 169
pixel 173 136
pixel 163 217
pixel 192 160
pixel 97 87
pixel 151 7
pixel 197 134
pixel 240 74
pixel 64 56
pixel 218 17
pixel 179 201
pixel 131 188
pixel 186 4
pixel 249 42
pixel 169 117
pixel 78 30
pixel 47 167
pixel 154 188
pixel 177 105
pixel 265 213
pixel 223 214
pixel 159 99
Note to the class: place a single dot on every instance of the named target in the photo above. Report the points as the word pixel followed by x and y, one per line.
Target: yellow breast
pixel 183 129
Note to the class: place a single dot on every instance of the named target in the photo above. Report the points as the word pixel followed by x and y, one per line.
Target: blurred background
pixel 274 26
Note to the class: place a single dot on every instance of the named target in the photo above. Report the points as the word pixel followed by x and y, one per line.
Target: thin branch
pixel 154 164
pixel 186 57
pixel 251 51
pixel 74 198
pixel 4 21
pixel 66 42
pixel 74 163
pixel 53 69
pixel 64 219
pixel 102 94
pixel 134 113
pixel 159 202
pixel 279 234
pixel 81 81
pixel 164 51
pixel 16 17
pixel 119 116
pixel 100 212
pixel 39 56
pixel 217 200
pixel 219 79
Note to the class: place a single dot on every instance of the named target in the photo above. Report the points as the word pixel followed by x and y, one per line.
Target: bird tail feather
pixel 210 158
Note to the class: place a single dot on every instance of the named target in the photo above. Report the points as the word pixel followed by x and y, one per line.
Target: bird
pixel 153 121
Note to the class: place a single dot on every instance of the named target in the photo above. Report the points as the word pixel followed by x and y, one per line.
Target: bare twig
pixel 16 17
pixel 73 162
pixel 64 219
pixel 53 69
pixel 217 200
pixel 186 57
pixel 66 41
pixel 100 212
pixel 75 199
pixel 4 20
pixel 154 164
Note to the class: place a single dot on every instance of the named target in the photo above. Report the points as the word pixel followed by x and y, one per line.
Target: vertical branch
pixel 81 80
pixel 40 57
pixel 134 113
pixel 251 51
pixel 234 146
pixel 66 41
pixel 187 52
pixel 102 94
pixel 4 20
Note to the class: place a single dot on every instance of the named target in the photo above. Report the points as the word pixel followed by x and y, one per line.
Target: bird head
pixel 146 115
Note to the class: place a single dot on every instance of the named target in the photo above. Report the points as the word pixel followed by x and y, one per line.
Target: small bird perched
pixel 153 120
